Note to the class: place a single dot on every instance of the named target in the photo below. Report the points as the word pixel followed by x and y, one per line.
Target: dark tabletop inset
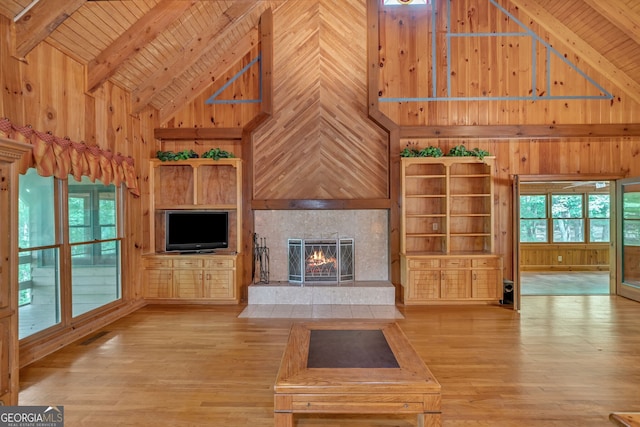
pixel 350 349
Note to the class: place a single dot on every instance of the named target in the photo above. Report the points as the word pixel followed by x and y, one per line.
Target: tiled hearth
pixel 353 300
pixel 349 293
pixel 320 311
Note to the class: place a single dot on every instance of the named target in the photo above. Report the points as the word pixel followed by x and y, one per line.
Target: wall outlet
pixel 559 258
pixel 435 226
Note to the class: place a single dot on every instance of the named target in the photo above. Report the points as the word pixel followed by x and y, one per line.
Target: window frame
pixel 586 216
pixel 544 218
pixel 589 218
pixel 553 218
pixel 95 226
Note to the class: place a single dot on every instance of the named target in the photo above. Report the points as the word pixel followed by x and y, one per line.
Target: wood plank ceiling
pixel 159 50
pixel 166 51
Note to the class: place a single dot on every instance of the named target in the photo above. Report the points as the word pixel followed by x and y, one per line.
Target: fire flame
pixel 318 259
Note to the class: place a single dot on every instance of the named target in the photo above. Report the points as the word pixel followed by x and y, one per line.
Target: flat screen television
pixel 196 231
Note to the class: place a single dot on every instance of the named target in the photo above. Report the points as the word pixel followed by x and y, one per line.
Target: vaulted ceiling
pixel 159 50
pixel 168 51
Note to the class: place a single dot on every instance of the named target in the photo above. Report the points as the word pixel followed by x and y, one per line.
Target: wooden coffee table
pixel 353 368
pixel 625 419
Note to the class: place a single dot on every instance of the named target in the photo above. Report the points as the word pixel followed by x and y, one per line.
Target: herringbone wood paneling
pixel 320 143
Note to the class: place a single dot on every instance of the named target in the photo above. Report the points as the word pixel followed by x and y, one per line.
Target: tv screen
pixel 196 231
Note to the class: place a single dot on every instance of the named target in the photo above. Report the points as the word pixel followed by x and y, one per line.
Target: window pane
pixel 109 248
pixel 79 209
pixel 533 206
pixel 599 212
pixel 107 233
pixel 599 230
pixel 599 206
pixel 566 206
pixel 533 230
pixel 97 284
pixel 91 207
pixel 41 278
pixel 533 214
pixel 631 208
pixel 25 292
pixel 631 232
pixel 79 217
pixel 568 230
pixel 36 211
pixel 107 206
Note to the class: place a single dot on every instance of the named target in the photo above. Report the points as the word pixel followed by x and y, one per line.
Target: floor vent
pixel 93 338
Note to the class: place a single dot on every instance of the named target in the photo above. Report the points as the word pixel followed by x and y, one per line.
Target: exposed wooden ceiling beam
pixel 197 85
pixel 5 11
pixel 191 53
pixel 522 131
pixel 620 15
pixel 39 21
pixel 555 27
pixel 143 31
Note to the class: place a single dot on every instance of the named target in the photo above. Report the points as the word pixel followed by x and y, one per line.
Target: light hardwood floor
pixel 563 361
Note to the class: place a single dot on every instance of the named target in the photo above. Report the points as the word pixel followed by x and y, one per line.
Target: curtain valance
pixel 61 157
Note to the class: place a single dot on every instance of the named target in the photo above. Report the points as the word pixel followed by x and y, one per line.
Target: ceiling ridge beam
pixel 143 94
pixel 129 43
pixel 36 23
pixel 201 82
pixel 619 14
pixel 224 64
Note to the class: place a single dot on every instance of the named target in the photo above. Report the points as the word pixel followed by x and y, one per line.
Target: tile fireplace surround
pixel 368 228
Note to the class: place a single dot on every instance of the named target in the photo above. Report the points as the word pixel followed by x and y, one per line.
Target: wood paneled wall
pixel 469 64
pixel 319 143
pixel 566 257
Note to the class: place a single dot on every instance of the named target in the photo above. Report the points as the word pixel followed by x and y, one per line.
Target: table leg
pixel 429 420
pixel 283 419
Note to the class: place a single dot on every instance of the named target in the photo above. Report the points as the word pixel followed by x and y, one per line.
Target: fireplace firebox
pixel 321 260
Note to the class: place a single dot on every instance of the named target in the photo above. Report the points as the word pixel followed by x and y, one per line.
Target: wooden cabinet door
pixel 220 278
pixel 159 284
pixel 424 285
pixel 188 283
pixel 484 284
pixel 486 278
pixel 456 284
pixel 219 284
